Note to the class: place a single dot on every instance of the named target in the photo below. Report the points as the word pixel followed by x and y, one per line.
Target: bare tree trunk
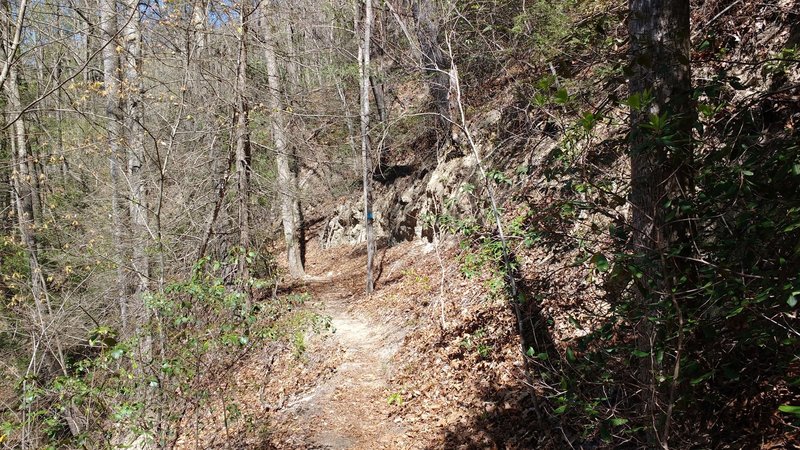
pixel 24 182
pixel 376 79
pixel 108 26
pixel 59 69
pixel 27 166
pixel 23 185
pixel 87 35
pixel 378 92
pixel 134 131
pixel 243 157
pixel 222 186
pixel 294 82
pixel 363 64
pixel 383 115
pixel 412 42
pixel 137 203
pixel 661 174
pixel 199 21
pixel 349 121
pixel 13 39
pixel 25 169
pixel 287 179
pixel 25 195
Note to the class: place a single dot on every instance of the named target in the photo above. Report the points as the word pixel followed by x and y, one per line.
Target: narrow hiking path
pixel 348 409
pixel 316 387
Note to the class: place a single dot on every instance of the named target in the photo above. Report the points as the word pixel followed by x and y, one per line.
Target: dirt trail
pixel 348 410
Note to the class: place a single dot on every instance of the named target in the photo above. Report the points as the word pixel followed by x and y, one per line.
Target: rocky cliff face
pixel 406 205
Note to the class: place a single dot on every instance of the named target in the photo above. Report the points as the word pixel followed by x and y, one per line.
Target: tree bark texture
pixel 23 187
pixel 243 155
pixel 114 126
pixel 287 179
pixel 25 201
pixel 364 68
pixel 134 131
pixel 661 171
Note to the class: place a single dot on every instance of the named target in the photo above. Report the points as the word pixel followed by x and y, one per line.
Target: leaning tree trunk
pixel 287 180
pixel 363 60
pixel 25 195
pixel 661 181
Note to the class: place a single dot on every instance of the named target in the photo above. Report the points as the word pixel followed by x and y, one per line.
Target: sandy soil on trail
pixel 349 409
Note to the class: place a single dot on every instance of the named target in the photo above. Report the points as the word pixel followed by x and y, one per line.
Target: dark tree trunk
pixel 661 180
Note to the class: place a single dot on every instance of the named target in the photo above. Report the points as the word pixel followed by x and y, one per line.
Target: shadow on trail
pixel 517 416
pixel 507 421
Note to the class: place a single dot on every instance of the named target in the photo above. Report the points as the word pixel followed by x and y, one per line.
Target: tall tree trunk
pixel 137 203
pixel 108 27
pixel 379 94
pixel 351 129
pixel 363 65
pixel 134 131
pixel 88 34
pixel 25 168
pixel 23 186
pixel 294 84
pixel 12 36
pixel 25 201
pixel 243 157
pixel 376 79
pixel 58 72
pixel 287 179
pixel 661 179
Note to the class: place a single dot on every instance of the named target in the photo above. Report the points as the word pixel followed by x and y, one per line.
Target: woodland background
pixel 610 191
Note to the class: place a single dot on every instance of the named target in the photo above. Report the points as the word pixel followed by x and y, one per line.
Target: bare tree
pixel 12 37
pixel 242 134
pixel 134 133
pixel 287 179
pixel 436 64
pixel 27 202
pixel 364 80
pixel 114 127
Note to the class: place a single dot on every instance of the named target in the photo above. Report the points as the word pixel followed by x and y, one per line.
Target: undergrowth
pixel 140 389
